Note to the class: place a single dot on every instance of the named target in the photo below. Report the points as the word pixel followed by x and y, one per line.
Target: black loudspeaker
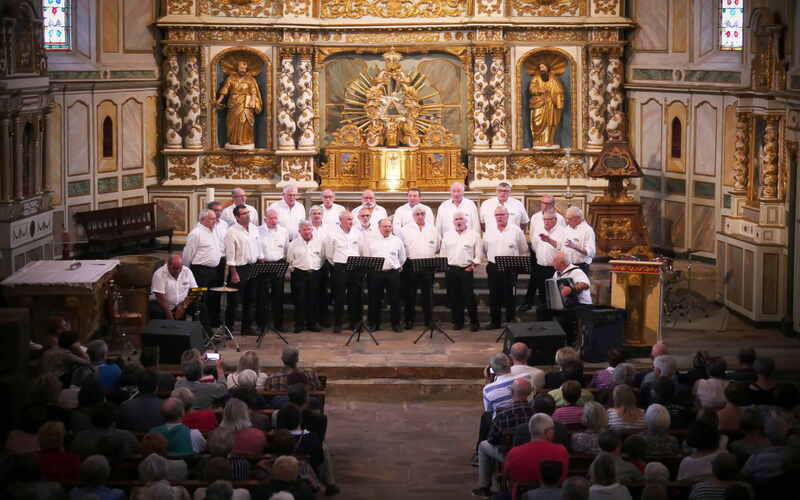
pixel 603 328
pixel 172 338
pixel 544 338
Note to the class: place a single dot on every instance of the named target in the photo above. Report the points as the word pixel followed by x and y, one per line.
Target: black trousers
pixel 530 295
pixel 324 293
pixel 270 300
pixel 413 281
pixel 379 283
pixel 501 293
pixel 208 277
pixel 305 290
pixel 460 292
pixel 247 297
pixel 346 290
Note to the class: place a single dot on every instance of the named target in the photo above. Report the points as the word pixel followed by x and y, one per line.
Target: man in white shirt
pixel 170 287
pixel 274 245
pixel 203 253
pixel 221 227
pixel 368 202
pixel 330 210
pixel 546 244
pixel 505 240
pixel 290 213
pixel 574 297
pixel 343 243
pixel 579 240
pixel 520 355
pixel 456 203
pixel 546 204
pixel 403 216
pixel 421 240
pixel 517 215
pixel 242 250
pixel 239 197
pixel 365 228
pixel 463 250
pixel 393 252
pixel 322 233
pixel 305 258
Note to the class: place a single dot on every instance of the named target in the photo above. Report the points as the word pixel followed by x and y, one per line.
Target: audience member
pixel 660 443
pixel 745 374
pixel 218 475
pixel 664 367
pixel 24 439
pixel 24 481
pixel 572 370
pixel 202 420
pixel 248 361
pixel 658 349
pixel 624 374
pixel 572 413
pixel 45 390
pixel 605 485
pixel 497 391
pixel 595 421
pixel 149 360
pixel 522 462
pixel 81 375
pixel 107 373
pixel 143 412
pixel 752 425
pixel 737 396
pixel 520 354
pixel 94 473
pixel 563 356
pixel 245 390
pixel 550 473
pixel 761 391
pixel 725 470
pixel 292 373
pixel 704 438
pixel 604 379
pixel 181 440
pixel 681 413
pixel 56 464
pixel 249 441
pixel 154 443
pixel 656 472
pixel 575 488
pixel 611 446
pixel 710 392
pixel 699 369
pixel 62 358
pixel 284 477
pixel 766 464
pixel 290 418
pixel 625 416
pixel 543 403
pixel 634 449
pixel 88 442
pixel 204 392
pixel 90 397
pixel 153 470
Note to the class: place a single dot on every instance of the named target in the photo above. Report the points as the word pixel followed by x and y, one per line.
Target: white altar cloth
pixel 58 273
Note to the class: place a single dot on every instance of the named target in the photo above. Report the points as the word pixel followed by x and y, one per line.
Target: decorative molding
pixel 240 8
pixel 489 7
pixel 605 7
pixel 239 167
pixel 180 7
pixel 550 8
pixel 133 181
pixel 548 34
pixel 356 9
pixel 78 188
pixel 544 167
pixel 182 168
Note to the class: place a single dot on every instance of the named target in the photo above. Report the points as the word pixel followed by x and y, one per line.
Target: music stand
pixel 263 270
pixel 362 264
pixel 515 264
pixel 430 265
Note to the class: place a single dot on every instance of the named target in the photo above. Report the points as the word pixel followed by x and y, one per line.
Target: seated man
pixel 573 296
pixel 108 374
pixel 291 373
pixel 181 440
pixel 522 462
pixel 611 445
pixel 204 392
pixel 170 288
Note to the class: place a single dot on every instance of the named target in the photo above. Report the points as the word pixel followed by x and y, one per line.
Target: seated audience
pixel 704 438
pixel 181 440
pixel 605 485
pixel 220 444
pixel 604 379
pixel 497 391
pixel 153 471
pixel 520 354
pixel 572 370
pixel 543 403
pixel 245 389
pixel 81 375
pixel 761 391
pixel 24 481
pixel 61 359
pixel 248 361
pixel 292 374
pixel 563 356
pixel 550 473
pixel 725 471
pixel 143 412
pixel 634 449
pixel 248 441
pixel 156 444
pixel 595 421
pixel 611 446
pixel 45 390
pixel 202 420
pixel 89 442
pixel 219 474
pixel 572 413
pixel 90 396
pixel 307 443
pixel 752 425
pixel 659 349
pixel 624 374
pixel 313 419
pixel 25 439
pixel 766 464
pixel 737 396
pixel 660 443
pixel 664 367
pixel 786 407
pixel 205 393
pixel 522 462
pixel 107 373
pixel 698 371
pixel 284 477
pixel 656 472
pixel 681 412
pixel 625 416
pixel 149 360
pixel 55 463
pixel 575 488
pixel 94 473
pixel 745 374
pixel 710 392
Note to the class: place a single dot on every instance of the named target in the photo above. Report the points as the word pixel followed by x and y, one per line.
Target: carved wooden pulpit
pixel 637 287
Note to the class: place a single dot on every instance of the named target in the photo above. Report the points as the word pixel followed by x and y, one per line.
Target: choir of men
pixel 317 251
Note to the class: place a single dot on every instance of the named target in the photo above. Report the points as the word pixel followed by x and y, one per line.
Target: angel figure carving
pixel 546 101
pixel 244 102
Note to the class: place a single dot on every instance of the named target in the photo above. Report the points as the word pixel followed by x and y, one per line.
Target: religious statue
pixel 244 102
pixel 546 103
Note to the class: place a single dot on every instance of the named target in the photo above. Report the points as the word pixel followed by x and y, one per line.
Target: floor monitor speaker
pixel 172 338
pixel 544 338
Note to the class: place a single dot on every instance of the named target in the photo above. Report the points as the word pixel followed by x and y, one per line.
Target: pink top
pixel 568 415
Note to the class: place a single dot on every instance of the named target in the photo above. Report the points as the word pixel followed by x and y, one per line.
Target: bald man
pixel 368 202
pixel 170 287
pixel 239 197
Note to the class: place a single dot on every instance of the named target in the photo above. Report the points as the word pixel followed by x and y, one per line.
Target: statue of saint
pixel 546 104
pixel 244 103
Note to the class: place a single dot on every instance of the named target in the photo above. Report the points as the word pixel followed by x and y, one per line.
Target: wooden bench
pixel 109 228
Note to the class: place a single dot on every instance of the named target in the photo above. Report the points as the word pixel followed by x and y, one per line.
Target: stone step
pixel 394 389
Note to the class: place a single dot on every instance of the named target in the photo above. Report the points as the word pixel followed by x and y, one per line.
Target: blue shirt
pixel 108 376
pixel 498 394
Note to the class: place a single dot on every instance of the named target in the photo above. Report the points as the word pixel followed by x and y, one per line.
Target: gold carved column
pixel 741 153
pixel 637 287
pixel 769 161
pixel 615 116
pixel 597 117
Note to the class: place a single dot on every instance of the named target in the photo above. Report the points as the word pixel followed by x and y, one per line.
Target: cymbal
pixel 224 289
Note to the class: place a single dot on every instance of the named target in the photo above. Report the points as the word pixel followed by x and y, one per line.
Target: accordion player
pixel 568 291
pixel 555 300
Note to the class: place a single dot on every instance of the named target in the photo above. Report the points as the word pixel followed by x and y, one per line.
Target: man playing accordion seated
pixel 573 291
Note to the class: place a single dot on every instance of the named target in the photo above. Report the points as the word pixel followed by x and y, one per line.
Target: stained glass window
pixel 731 23
pixel 56 14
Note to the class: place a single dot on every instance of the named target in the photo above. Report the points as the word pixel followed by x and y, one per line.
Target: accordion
pixel 555 300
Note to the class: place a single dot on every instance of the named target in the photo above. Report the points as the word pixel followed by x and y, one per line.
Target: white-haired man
pixel 393 252
pixel 239 197
pixel 290 213
pixel 377 212
pixel 330 210
pixel 404 215
pixel 203 253
pixel 274 246
pixel 344 243
pixel 547 204
pixel 457 203
pixel 574 296
pixel 506 240
pixel 546 244
pixel 517 215
pixel 579 240
pixel 242 251
pixel 322 233
pixel 422 242
pixel 522 462
pixel 170 287
pixel 463 249
pixel 305 258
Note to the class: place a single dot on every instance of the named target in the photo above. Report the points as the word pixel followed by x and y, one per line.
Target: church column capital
pixel 305 53
pixel 480 51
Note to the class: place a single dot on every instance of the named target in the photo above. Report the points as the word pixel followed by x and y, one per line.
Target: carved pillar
pixel 37 154
pixel 19 163
pixel 192 109
pixel 769 161
pixel 480 139
pixel 498 99
pixel 5 148
pixel 615 126
pixel 740 156
pixel 172 103
pixel 597 119
pixel 286 107
pixel 305 104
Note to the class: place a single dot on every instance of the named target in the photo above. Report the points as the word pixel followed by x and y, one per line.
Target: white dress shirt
pixel 544 250
pixel 517 215
pixel 583 237
pixel 508 242
pixel 537 221
pixel 202 247
pixel 421 243
pixel 274 242
pixel 578 276
pixel 289 217
pixel 305 255
pixel 220 230
pixel 404 215
pixel 227 214
pixel 330 216
pixel 462 249
pixel 242 246
pixel 174 290
pixel 444 216
pixel 391 248
pixel 378 213
pixel 342 245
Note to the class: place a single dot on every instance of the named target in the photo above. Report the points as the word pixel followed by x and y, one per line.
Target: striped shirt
pixel 617 423
pixel 497 395
pixel 568 415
